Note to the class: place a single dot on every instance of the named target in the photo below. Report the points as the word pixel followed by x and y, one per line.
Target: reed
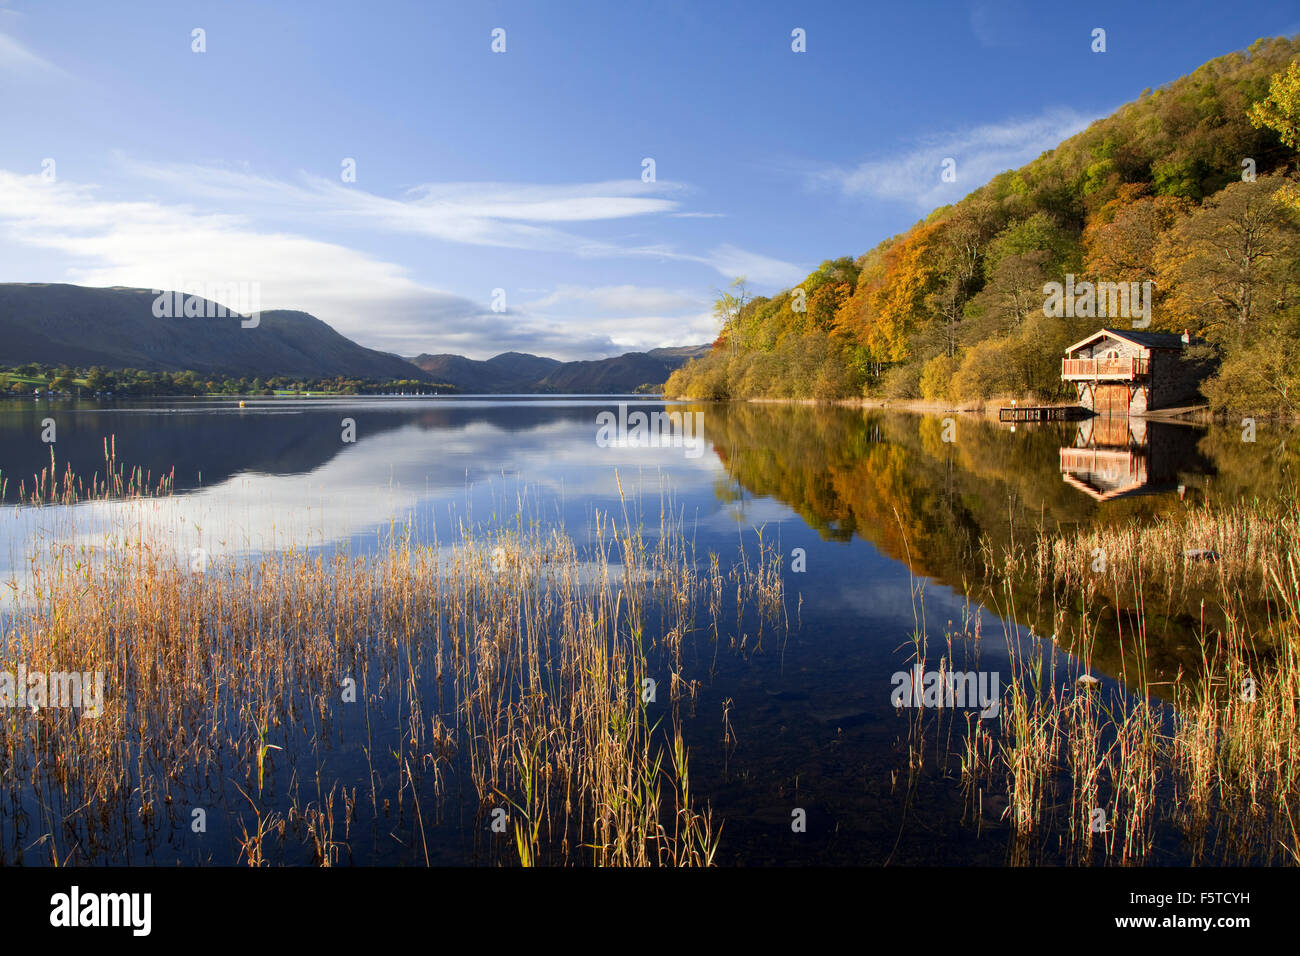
pixel 1181 554
pixel 511 664
pixel 50 486
pixel 1210 770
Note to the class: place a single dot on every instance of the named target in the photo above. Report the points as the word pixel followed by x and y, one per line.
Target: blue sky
pixel 522 170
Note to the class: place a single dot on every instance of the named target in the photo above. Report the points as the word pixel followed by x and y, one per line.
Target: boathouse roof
pixel 1147 340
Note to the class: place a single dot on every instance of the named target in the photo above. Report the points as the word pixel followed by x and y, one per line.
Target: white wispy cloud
pixel 634 318
pixel 732 261
pixel 505 215
pixel 15 58
pixel 153 245
pixel 271 240
pixel 632 333
pixel 618 299
pixel 150 244
pixel 979 153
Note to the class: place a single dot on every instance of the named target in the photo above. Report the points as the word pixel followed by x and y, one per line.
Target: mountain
pixel 504 373
pixel 520 366
pixel 116 328
pixel 523 373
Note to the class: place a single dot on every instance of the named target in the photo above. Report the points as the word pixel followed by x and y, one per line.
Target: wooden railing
pixel 1111 462
pixel 1127 368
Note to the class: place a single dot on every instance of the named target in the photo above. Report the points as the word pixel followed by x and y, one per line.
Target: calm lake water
pixel 887 517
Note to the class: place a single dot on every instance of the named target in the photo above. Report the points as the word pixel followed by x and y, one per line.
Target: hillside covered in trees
pixel 1192 188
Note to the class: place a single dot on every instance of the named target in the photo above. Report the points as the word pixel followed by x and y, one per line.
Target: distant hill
pixel 116 328
pixel 520 372
pixel 507 372
pixel 520 366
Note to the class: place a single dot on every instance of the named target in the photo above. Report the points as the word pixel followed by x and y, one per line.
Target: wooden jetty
pixel 1043 413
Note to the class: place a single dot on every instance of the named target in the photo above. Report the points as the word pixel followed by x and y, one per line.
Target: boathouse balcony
pixel 1122 368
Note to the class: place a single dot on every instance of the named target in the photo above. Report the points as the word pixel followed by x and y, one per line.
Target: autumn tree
pixel 1280 112
pixel 1013 292
pixel 1120 242
pixel 960 243
pixel 893 304
pixel 1231 261
pixel 1261 375
pixel 825 301
pixel 1018 262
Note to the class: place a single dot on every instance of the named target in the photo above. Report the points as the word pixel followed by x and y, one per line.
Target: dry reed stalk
pixel 524 673
pixel 1219 763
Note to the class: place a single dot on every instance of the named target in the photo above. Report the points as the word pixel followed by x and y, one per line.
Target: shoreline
pixel 985 408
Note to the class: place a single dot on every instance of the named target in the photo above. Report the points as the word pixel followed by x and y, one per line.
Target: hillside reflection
pixel 944 507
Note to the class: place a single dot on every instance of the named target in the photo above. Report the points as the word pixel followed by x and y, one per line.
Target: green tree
pixel 1280 112
pixel 727 308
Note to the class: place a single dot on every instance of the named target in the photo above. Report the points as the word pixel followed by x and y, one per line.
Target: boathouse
pixel 1124 457
pixel 1108 458
pixel 1127 372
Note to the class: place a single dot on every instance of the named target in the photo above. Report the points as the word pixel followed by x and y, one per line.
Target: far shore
pixel 984 408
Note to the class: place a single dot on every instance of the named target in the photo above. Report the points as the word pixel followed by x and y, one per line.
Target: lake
pixel 881 520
